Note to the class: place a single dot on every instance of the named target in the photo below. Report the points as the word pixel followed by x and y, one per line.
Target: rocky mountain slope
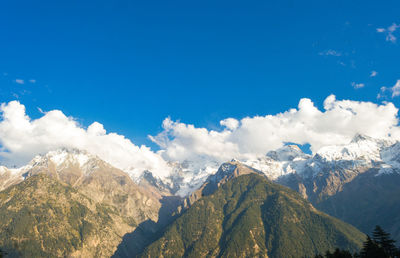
pixel 42 217
pixel 72 188
pixel 249 216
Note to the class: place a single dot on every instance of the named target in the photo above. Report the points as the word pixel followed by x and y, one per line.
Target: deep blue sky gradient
pixel 130 64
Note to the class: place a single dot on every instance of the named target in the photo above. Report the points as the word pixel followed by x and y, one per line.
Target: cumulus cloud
pixel 373 74
pixel 389 31
pixel 21 138
pixel 357 85
pixel 230 123
pixel 250 137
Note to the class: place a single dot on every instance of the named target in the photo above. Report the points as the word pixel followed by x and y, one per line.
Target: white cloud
pixel 389 31
pixel 357 85
pixel 330 52
pixel 373 74
pixel 19 81
pixel 337 123
pixel 22 138
pixel 230 123
pixel 32 81
pixel 395 90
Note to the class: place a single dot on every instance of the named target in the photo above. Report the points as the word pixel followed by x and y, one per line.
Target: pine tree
pixel 379 246
pixel 371 249
pixel 384 242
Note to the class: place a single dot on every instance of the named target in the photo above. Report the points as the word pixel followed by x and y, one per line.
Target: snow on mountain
pixel 391 159
pixel 3 170
pixel 57 160
pixel 189 176
pixel 360 148
pixel 283 161
pixel 63 158
pixel 185 177
pixel 361 153
pixel 288 153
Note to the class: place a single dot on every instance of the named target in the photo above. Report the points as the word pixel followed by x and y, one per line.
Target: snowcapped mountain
pixel 63 158
pixel 93 177
pixel 361 154
pixel 281 165
pixel 59 162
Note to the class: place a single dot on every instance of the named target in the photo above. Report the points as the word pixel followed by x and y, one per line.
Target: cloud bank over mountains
pixel 21 138
pixel 254 136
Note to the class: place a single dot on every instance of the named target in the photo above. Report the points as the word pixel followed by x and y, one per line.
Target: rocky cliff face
pixel 43 217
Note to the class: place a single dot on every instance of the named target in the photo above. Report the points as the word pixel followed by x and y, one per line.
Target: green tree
pixel 338 253
pixel 385 243
pixel 371 249
pixel 379 246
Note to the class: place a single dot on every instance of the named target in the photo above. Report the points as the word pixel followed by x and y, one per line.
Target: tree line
pixel 381 245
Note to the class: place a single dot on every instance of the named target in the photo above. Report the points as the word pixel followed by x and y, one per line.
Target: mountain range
pixel 69 202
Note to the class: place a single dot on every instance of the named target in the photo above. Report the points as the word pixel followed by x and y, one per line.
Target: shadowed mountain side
pixel 134 243
pixel 367 201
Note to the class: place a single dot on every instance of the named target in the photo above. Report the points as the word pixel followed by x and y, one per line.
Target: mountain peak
pixel 287 153
pixel 230 170
pixel 361 137
pixel 63 155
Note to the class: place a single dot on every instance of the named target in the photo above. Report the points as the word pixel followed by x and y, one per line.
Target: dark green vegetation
pixel 338 253
pixel 379 246
pixel 250 216
pixel 366 201
pixel 42 217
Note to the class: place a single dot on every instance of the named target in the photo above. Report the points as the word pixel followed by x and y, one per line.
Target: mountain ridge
pixel 240 219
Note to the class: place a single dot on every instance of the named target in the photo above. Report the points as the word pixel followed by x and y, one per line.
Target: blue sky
pixel 131 64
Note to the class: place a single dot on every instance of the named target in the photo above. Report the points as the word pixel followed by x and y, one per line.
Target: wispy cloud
pixel 330 52
pixel 357 85
pixel 389 31
pixel 32 81
pixel 19 81
pixel 395 91
pixel 373 74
